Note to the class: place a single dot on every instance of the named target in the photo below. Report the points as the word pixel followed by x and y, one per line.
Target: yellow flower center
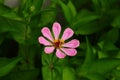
pixel 58 43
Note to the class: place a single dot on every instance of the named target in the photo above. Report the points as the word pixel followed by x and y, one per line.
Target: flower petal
pixel 43 41
pixel 49 50
pixel 60 54
pixel 72 44
pixel 56 29
pixel 69 52
pixel 67 34
pixel 46 32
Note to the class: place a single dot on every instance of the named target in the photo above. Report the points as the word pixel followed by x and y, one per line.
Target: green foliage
pixel 68 10
pixel 68 73
pixel 112 36
pixel 35 8
pixel 96 23
pixel 89 54
pixel 28 75
pixel 94 76
pixel 51 67
pixel 6 65
pixel 15 28
pixel 103 66
pixel 84 23
pixel 116 22
pixel 95 69
pixel 48 15
pixel 8 13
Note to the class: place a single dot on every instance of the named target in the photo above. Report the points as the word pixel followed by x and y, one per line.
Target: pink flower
pixel 54 42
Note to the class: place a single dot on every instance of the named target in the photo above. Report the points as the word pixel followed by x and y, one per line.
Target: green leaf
pixel 58 71
pixel 84 23
pixel 107 49
pixel 46 58
pixel 83 17
pixel 96 3
pixel 67 11
pixel 116 22
pixel 102 54
pixel 103 5
pixel 116 74
pixel 52 67
pixel 8 13
pixel 6 65
pixel 112 35
pixel 16 28
pixel 93 76
pixel 88 28
pixel 36 6
pixel 89 54
pixel 47 16
pixel 103 66
pixel 68 74
pixel 23 75
pixel 72 8
pixel 51 73
pixel 47 72
pixel 107 46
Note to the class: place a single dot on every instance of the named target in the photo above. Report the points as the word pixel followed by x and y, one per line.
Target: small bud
pixel 32 8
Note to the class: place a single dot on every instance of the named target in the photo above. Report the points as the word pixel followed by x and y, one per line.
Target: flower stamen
pixel 58 43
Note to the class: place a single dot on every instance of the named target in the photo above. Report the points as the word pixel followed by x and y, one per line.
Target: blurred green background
pixel 96 24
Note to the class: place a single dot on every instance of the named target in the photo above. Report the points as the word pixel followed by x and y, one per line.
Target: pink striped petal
pixel 56 29
pixel 60 54
pixel 49 50
pixel 43 41
pixel 67 34
pixel 46 32
pixel 72 44
pixel 69 52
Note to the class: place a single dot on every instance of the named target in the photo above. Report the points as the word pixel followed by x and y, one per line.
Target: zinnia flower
pixel 54 42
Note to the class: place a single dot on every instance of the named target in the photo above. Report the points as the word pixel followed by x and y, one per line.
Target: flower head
pixel 54 42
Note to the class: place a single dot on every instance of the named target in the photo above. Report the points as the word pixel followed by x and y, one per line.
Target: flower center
pixel 58 43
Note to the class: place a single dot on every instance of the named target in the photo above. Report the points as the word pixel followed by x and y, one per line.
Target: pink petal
pixel 56 29
pixel 69 52
pixel 46 32
pixel 49 50
pixel 43 41
pixel 60 54
pixel 67 34
pixel 72 44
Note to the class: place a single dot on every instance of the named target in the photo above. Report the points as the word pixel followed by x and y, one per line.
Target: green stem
pixel 52 65
pixel 52 74
pixel 24 47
